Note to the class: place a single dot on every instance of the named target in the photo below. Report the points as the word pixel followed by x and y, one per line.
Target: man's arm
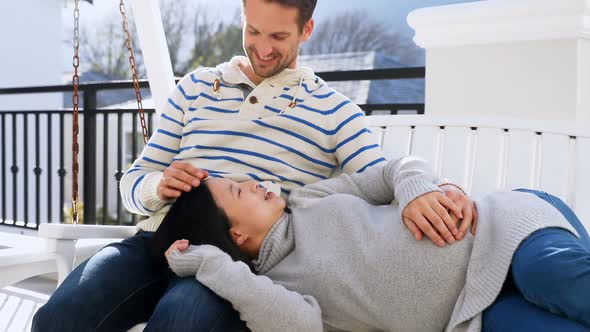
pixel 139 184
pixel 262 304
pixel 356 147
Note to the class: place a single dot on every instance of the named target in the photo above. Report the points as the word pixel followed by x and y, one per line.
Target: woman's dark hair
pixel 196 217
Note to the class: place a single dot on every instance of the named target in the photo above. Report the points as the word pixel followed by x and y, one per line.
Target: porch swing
pixel 62 238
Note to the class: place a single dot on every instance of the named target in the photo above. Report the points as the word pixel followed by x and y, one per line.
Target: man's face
pixel 272 37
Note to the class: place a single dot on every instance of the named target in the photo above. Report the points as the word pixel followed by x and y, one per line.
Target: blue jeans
pixel 119 287
pixel 548 288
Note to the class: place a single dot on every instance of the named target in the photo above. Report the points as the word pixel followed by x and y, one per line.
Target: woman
pixel 340 259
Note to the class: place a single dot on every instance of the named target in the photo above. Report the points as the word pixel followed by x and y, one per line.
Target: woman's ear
pixel 237 236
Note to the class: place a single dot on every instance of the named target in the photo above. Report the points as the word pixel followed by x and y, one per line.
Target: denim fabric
pixel 511 312
pixel 549 283
pixel 119 287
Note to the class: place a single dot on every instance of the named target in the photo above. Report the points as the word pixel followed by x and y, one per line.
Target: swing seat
pixel 23 258
pixel 479 154
pixel 53 250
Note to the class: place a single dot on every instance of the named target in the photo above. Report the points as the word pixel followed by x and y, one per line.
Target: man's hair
pixel 306 8
pixel 195 216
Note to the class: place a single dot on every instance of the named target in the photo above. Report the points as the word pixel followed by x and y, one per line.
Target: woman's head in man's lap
pixel 233 216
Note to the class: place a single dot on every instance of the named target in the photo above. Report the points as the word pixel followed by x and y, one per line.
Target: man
pixel 258 117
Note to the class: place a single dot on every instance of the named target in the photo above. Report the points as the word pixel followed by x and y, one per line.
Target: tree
pixel 104 46
pixel 193 40
pixel 176 27
pixel 354 31
pixel 104 49
pixel 214 43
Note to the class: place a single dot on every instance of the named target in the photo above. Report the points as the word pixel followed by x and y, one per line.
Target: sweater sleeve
pixel 262 304
pixel 402 179
pixel 356 147
pixel 139 184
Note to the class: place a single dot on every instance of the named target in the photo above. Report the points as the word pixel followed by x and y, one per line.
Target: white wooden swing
pixel 480 154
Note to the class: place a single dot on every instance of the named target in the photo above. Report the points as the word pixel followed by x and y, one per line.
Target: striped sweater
pixel 291 129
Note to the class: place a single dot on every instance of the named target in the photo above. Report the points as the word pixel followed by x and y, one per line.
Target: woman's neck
pixel 253 245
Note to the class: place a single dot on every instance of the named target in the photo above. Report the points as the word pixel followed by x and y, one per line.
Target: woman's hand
pixel 429 214
pixel 178 177
pixel 179 245
pixel 187 260
pixel 467 207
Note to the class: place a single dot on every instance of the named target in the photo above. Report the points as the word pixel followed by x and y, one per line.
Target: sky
pixel 391 12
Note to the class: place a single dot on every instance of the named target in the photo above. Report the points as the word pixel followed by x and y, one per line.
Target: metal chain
pixel 134 73
pixel 76 99
pixel 75 102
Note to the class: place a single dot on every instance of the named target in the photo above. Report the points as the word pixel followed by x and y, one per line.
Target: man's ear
pixel 307 30
pixel 237 236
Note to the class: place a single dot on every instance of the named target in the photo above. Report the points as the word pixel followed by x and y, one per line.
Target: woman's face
pixel 250 208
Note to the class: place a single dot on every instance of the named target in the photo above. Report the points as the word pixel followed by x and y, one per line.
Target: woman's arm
pixel 401 179
pixel 262 304
pixel 423 207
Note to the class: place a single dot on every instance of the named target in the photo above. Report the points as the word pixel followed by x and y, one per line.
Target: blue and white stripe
pixel 295 147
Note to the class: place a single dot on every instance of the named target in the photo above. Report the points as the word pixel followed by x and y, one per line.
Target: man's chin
pixel 267 71
pixel 262 71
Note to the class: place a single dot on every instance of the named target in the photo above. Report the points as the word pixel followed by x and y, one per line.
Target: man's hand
pixel 429 214
pixel 179 245
pixel 178 177
pixel 467 207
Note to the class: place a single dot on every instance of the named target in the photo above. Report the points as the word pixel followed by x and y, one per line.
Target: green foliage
pixel 217 47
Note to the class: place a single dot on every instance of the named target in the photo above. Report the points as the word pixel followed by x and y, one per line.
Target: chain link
pixel 134 73
pixel 76 99
pixel 76 104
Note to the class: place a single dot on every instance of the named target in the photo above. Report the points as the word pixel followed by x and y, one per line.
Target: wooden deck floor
pixel 19 302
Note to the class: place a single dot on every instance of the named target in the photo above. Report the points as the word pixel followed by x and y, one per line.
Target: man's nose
pixel 264 49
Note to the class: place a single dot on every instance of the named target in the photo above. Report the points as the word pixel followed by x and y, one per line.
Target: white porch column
pixel 156 56
pixel 518 58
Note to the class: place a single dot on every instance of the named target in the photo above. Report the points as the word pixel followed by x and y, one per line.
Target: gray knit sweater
pixel 344 261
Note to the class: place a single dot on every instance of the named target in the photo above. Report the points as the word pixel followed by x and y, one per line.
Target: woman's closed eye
pixel 234 190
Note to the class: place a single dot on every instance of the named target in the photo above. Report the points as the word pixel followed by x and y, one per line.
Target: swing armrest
pixel 70 231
